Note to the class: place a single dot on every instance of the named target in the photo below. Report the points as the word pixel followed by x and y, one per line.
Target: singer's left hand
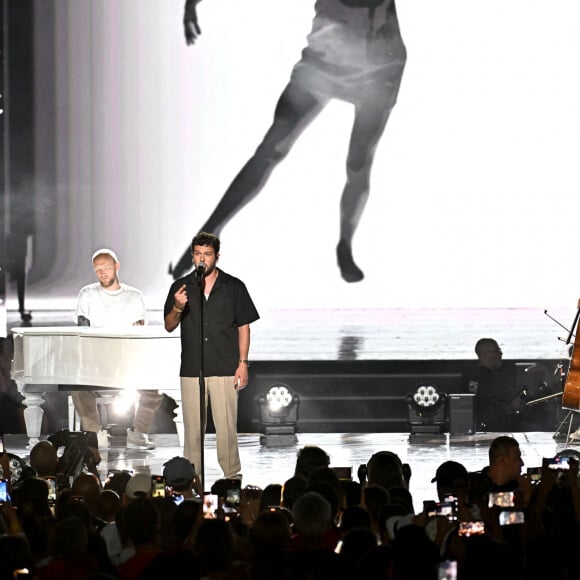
pixel 241 377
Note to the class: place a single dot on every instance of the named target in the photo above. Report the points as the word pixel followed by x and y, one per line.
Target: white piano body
pixel 137 357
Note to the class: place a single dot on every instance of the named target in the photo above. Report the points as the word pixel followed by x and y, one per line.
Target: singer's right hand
pixel 180 297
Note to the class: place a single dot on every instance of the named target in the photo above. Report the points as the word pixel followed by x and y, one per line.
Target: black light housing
pixel 278 407
pixel 427 410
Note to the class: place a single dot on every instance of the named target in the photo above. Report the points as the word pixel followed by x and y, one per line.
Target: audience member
pixel 271 496
pixel 379 536
pixel 292 490
pixel 309 459
pixel 386 468
pixel 270 539
pixel 15 554
pixel 142 526
pixel 44 459
pixel 88 486
pixel 11 406
pixel 117 481
pixel 310 555
pixel 504 470
pixel 139 485
pixel 179 474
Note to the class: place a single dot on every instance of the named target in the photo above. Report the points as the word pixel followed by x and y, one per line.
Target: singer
pixel 227 313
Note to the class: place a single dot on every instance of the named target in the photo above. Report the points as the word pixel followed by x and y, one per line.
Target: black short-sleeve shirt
pixel 228 307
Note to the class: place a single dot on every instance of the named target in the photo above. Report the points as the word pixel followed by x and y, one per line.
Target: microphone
pixel 200 270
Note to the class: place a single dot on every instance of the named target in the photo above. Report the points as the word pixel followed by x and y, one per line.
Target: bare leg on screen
pixel 295 110
pixel 369 123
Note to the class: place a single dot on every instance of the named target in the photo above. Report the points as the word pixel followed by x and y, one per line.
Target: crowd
pixel 496 523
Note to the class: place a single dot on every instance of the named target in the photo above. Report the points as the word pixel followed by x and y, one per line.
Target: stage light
pixel 124 402
pixel 427 410
pixel 278 407
pixel 17 465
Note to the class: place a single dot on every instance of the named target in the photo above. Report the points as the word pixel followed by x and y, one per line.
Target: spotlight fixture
pixel 427 410
pixel 278 407
pixel 17 466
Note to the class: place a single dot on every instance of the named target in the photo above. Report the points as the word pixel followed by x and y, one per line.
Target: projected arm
pixel 190 24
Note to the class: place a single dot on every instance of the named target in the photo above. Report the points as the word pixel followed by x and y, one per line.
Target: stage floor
pixel 264 465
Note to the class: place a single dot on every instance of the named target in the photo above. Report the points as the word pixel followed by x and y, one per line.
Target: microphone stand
pixel 202 411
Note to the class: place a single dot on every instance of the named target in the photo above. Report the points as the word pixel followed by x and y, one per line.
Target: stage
pixel 408 343
pixel 264 465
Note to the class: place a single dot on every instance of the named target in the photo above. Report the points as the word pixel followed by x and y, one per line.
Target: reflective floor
pixel 262 465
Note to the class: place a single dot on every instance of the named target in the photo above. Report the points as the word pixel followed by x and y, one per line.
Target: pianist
pixel 110 303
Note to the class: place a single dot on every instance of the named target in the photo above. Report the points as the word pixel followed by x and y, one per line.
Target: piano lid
pixel 147 331
pixel 139 357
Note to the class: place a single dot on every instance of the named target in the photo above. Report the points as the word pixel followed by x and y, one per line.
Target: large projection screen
pixel 474 188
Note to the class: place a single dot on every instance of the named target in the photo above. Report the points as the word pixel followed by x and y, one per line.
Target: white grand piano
pixel 138 357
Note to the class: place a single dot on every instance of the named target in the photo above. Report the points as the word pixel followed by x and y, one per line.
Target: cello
pixel 571 394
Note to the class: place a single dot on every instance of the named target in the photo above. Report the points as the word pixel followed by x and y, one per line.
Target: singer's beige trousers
pixel 224 407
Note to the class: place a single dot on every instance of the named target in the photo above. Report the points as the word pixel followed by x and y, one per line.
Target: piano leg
pixel 34 412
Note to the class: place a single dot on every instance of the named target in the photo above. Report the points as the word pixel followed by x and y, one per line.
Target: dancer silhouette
pixel 354 53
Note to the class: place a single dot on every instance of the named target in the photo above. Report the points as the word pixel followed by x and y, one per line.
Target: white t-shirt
pixel 122 307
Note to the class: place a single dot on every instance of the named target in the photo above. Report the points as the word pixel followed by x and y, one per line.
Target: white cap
pixel 105 251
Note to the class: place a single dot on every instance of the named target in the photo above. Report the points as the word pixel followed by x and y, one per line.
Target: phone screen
pixel 473 528
pixel 559 464
pixel 508 518
pixel 233 492
pixel 4 496
pixel 51 491
pixel 210 505
pixel 447 570
pixel 157 486
pixel 501 499
pixel 535 474
pixel 344 473
pixel 447 508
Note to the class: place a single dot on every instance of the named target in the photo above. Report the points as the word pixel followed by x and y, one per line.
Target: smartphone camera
pixel 233 493
pixel 4 495
pixel 430 508
pixel 447 570
pixel 210 505
pixel 474 528
pixel 501 499
pixel 343 473
pixel 534 474
pixel 157 486
pixel 511 517
pixel 447 508
pixel 559 464
pixel 51 490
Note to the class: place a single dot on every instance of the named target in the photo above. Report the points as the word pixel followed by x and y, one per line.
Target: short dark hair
pixel 309 459
pixel 206 239
pixel 484 342
pixel 501 446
